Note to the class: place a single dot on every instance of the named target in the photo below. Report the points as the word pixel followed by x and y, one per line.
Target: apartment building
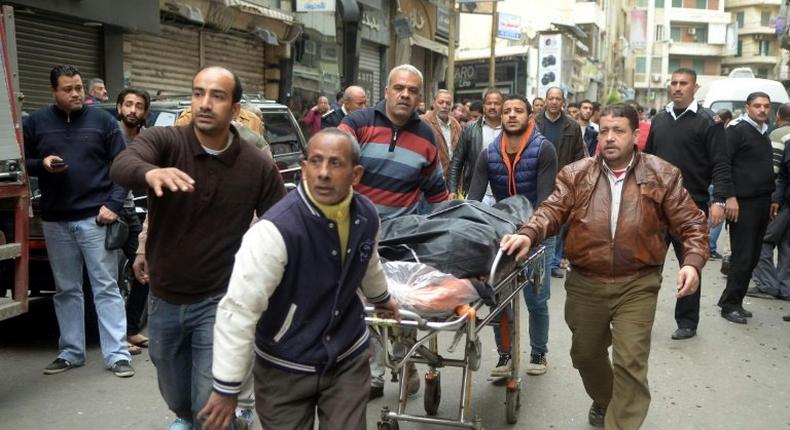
pixel 757 46
pixel 668 34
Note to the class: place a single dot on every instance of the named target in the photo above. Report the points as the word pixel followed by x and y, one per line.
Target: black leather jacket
pixel 465 156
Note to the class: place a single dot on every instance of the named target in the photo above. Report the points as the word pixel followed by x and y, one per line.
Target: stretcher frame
pixel 466 324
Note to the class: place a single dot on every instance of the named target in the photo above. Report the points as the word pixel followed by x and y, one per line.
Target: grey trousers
pixel 290 401
pixel 774 278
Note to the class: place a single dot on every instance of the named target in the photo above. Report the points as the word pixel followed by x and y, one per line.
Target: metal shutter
pixel 165 61
pixel 242 54
pixel 45 41
pixel 370 71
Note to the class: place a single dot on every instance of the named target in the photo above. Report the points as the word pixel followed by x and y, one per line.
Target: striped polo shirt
pixel 401 163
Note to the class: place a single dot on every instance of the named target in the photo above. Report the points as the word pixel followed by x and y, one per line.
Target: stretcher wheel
pixel 388 425
pixel 473 354
pixel 433 392
pixel 512 404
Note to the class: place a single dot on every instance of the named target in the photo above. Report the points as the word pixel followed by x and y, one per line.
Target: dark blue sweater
pixel 87 140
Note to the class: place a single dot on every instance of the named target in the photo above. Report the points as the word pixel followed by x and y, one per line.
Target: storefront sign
pixel 549 62
pixel 508 26
pixel 315 5
pixel 421 16
pixel 443 22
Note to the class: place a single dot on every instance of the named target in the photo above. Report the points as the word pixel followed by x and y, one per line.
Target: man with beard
pixel 97 92
pixel 70 148
pixel 589 130
pixel 563 131
pixel 520 161
pixel 446 130
pixel 205 185
pixel 402 167
pixel 476 136
pixel 354 99
pixel 617 207
pixel 132 107
pixel 751 160
pixel 692 139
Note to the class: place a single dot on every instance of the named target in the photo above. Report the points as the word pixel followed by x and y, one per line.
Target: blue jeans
pixel 69 245
pixel 181 339
pixel 714 236
pixel 556 254
pixel 537 306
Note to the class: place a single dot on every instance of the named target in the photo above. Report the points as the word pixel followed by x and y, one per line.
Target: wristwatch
pixel 719 203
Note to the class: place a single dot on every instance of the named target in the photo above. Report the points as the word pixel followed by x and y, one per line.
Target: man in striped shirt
pixel 402 168
pixel 398 149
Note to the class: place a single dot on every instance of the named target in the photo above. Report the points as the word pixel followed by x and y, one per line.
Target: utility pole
pixel 492 60
pixel 451 50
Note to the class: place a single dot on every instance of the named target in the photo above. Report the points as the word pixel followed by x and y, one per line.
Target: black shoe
pixel 596 415
pixel 786 317
pixel 759 294
pixel 557 273
pixel 715 256
pixel 60 365
pixel 733 316
pixel 684 333
pixel 376 392
pixel 744 313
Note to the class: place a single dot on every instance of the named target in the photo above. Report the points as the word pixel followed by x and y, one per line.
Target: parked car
pixel 281 130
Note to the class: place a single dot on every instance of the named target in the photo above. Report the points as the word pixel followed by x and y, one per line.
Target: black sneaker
pixel 596 415
pixel 502 369
pixel 537 364
pixel 123 369
pixel 376 392
pixel 715 256
pixel 60 365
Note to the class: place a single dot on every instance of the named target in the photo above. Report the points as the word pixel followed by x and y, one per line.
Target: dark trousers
pixel 138 293
pixel 687 308
pixel 746 239
pixel 339 396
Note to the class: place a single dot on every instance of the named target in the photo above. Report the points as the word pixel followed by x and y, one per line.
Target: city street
pixel 728 377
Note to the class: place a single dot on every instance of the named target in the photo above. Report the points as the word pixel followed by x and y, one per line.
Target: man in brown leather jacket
pixel 617 208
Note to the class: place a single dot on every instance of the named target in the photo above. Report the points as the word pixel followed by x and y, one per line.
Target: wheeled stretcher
pixel 506 280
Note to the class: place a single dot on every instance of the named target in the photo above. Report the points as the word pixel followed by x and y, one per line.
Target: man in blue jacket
pixel 70 148
pixel 520 161
pixel 293 298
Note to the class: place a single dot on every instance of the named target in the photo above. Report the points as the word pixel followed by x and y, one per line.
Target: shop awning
pixel 254 9
pixel 423 42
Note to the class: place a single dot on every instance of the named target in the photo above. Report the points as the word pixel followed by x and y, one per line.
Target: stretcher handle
pixel 498 257
pixel 404 315
pixel 500 252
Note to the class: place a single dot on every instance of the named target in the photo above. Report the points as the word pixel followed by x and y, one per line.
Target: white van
pixel 731 92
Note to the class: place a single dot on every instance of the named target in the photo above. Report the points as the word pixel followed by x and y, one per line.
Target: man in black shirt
pixel 692 138
pixel 751 157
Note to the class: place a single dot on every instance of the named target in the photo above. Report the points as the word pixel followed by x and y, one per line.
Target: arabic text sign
pixel 315 5
pixel 509 26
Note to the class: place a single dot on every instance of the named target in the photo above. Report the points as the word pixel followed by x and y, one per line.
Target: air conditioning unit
pixel 656 77
pixel 692 30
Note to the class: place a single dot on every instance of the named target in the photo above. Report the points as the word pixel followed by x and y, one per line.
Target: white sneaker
pixel 537 364
pixel 503 367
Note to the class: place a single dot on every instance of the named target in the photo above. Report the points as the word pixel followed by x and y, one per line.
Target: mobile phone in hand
pixel 56 164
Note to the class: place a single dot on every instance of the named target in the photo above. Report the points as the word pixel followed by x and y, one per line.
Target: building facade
pixel 757 46
pixel 665 35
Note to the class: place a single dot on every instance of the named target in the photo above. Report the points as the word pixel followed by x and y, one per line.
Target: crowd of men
pixel 255 290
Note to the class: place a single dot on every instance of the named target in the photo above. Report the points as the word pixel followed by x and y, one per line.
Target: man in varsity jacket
pixel 293 298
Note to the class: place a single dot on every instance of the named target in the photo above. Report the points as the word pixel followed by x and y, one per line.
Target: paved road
pixel 728 377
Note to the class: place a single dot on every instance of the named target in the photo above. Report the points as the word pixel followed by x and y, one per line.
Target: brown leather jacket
pixel 653 202
pixel 455 134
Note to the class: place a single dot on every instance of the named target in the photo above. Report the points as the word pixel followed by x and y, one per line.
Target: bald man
pixel 354 98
